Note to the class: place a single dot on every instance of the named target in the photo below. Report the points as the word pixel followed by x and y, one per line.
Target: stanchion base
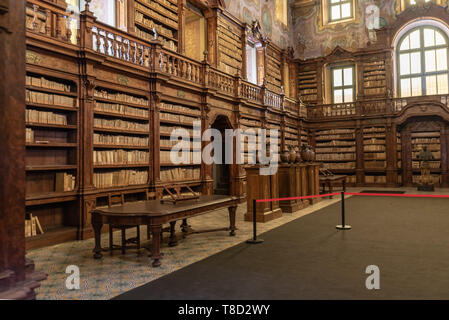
pixel 252 241
pixel 345 227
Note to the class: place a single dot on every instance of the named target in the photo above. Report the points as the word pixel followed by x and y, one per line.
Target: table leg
pixel 173 241
pixel 155 252
pixel 330 189
pixel 232 211
pixel 97 223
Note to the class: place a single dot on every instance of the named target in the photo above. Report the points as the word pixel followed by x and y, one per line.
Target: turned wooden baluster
pixel 35 17
pixel 58 26
pixel 113 45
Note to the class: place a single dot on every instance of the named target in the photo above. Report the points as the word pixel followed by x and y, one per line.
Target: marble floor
pixel 115 274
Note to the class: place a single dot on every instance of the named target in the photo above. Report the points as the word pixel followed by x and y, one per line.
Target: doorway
pixel 221 173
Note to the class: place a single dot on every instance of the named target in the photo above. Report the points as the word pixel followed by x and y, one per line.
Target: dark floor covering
pixel 407 238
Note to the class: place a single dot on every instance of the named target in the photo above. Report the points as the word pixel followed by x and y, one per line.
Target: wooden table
pixel 329 180
pixel 154 214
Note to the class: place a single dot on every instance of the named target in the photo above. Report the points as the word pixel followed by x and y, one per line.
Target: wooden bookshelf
pixel 229 45
pixel 159 15
pixel 273 69
pixel 175 116
pixel 374 78
pixel 335 148
pixel 307 85
pixel 432 140
pixel 121 133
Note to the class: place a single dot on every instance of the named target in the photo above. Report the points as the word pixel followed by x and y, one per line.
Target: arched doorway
pixel 221 173
pixel 419 132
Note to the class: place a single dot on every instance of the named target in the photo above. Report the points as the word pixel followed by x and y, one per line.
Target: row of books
pixel 169 143
pixel 334 131
pixel 371 141
pixel 425 141
pixel 29 135
pixel 175 107
pixel 375 83
pixel 157 16
pixel 185 157
pixel 120 178
pixel 335 156
pixel 100 138
pixel 180 174
pixel 335 150
pixel 373 147
pixel 169 129
pixel 430 147
pixel 45 117
pixel 121 109
pixel 290 135
pixel 121 124
pixel 432 164
pixel 121 97
pixel 373 91
pixel 335 136
pixel 160 29
pixel 162 9
pixel 375 179
pixel 42 82
pixel 375 164
pixel 177 118
pixel 333 143
pixel 32 226
pixel 46 98
pixel 169 44
pixel 373 129
pixel 375 156
pixel 64 182
pixel 120 157
pixel 340 165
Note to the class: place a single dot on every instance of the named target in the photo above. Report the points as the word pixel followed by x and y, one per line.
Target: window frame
pixel 339 4
pixel 422 49
pixel 343 87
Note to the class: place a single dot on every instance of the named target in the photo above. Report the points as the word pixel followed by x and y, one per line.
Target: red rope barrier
pixel 299 198
pixel 397 195
pixel 358 194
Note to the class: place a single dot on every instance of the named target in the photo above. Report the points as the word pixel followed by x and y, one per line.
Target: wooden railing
pixel 274 100
pixel 178 66
pixel 220 81
pixel 251 92
pixel 116 44
pixel 372 107
pixel 49 20
pixel 332 110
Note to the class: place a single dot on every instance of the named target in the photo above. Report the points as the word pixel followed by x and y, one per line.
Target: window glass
pixel 343 89
pixel 423 62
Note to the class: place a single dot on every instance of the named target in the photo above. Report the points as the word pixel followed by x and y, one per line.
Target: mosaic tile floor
pixel 113 275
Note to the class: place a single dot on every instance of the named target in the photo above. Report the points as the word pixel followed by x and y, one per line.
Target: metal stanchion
pixel 254 240
pixel 343 226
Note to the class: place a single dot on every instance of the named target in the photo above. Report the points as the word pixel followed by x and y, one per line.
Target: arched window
pixel 422 55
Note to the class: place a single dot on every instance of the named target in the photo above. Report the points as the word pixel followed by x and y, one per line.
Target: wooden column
pixel 360 165
pixel 444 138
pixel 87 201
pixel 17 277
pixel 392 154
pixel 206 169
pixel 319 82
pixel 182 4
pixel 244 57
pixel 212 37
pixel 406 148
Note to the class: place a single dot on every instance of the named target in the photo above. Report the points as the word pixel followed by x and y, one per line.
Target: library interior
pixel 149 145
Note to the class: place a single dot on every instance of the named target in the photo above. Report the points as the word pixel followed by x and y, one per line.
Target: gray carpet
pixel 408 239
